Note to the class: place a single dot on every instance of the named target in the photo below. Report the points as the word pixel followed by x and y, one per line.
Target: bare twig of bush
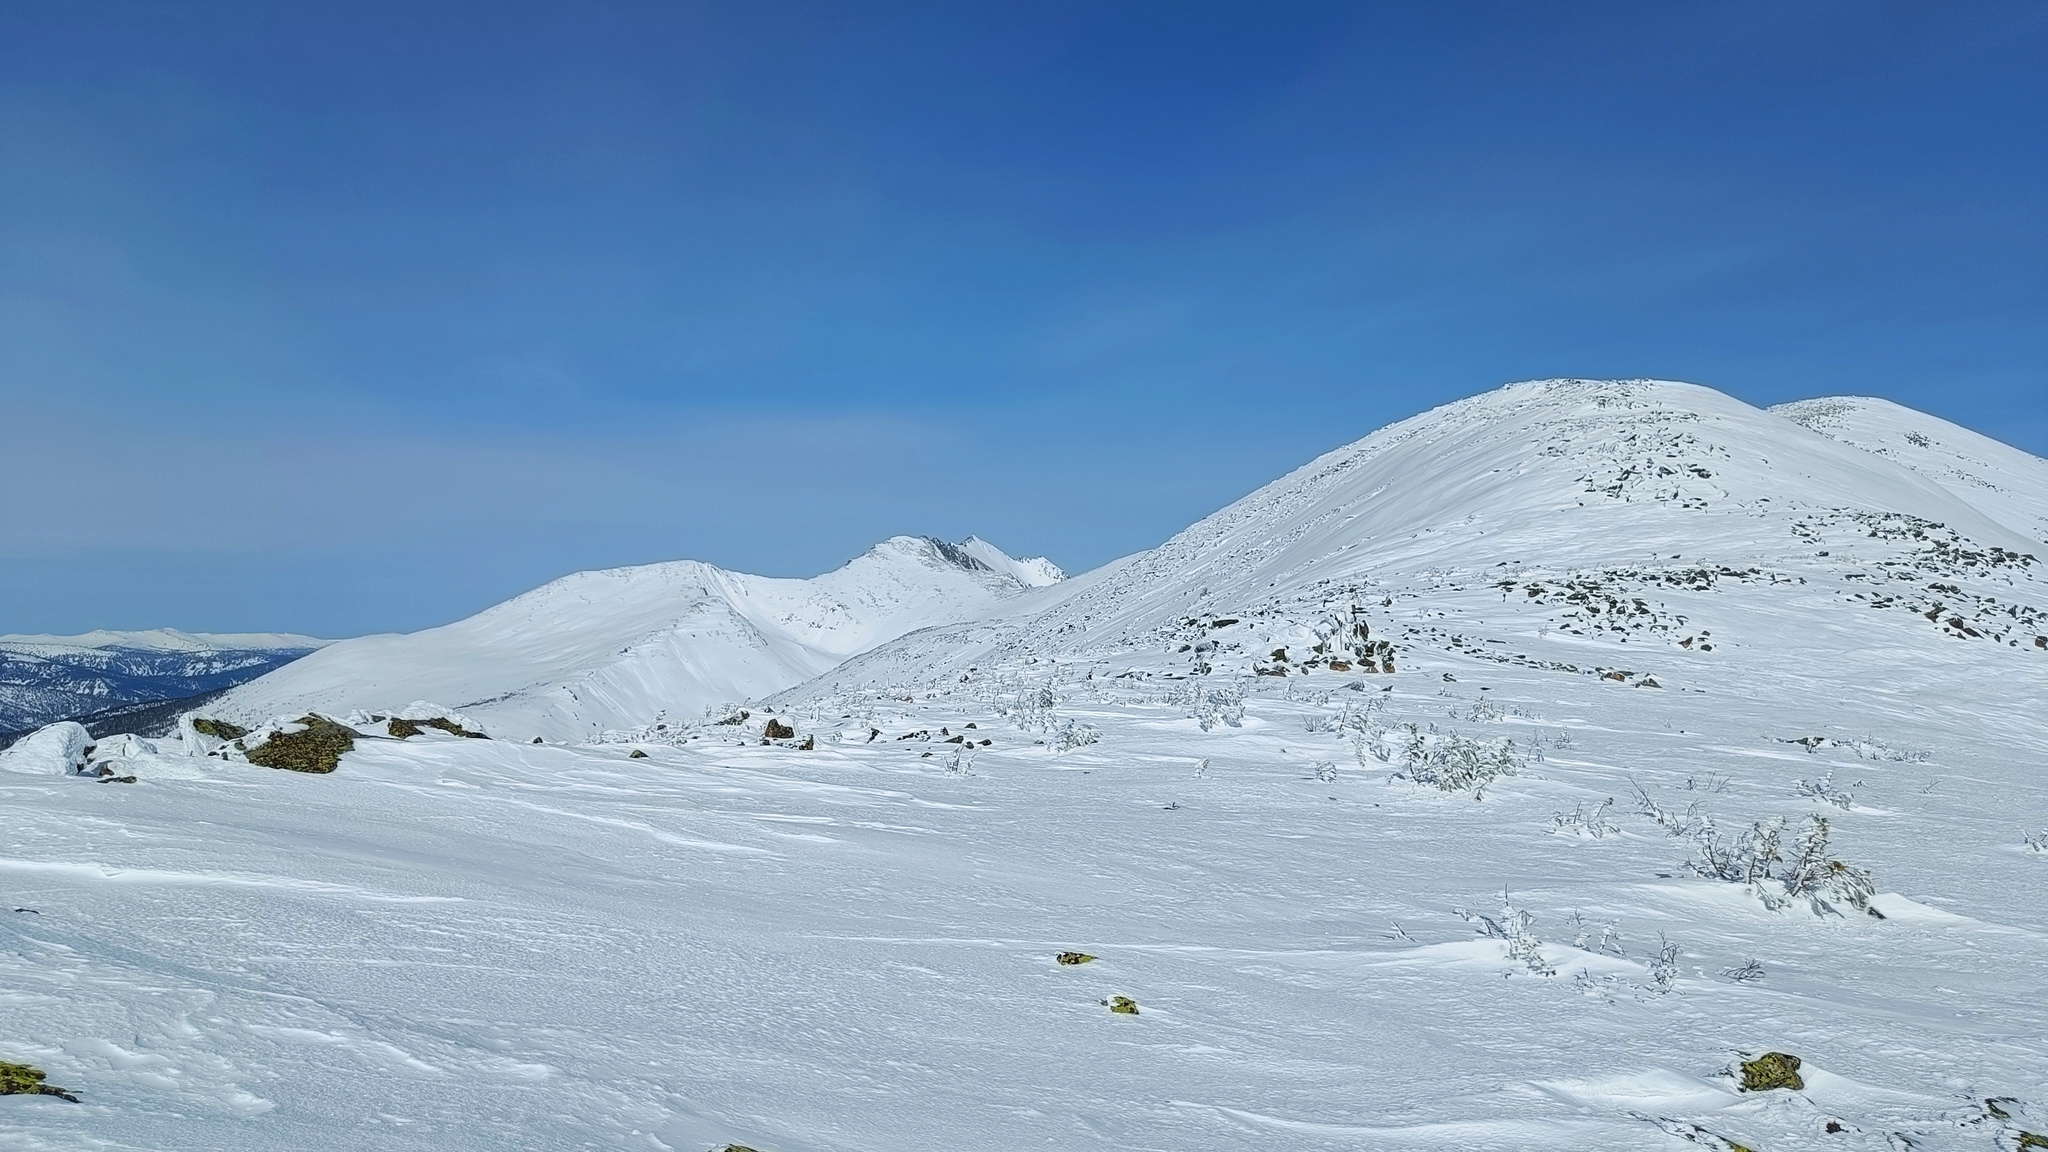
pixel 1689 823
pixel 1579 822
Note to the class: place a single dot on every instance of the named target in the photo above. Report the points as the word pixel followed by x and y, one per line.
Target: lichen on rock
pixel 1772 1070
pixel 24 1080
pixel 316 747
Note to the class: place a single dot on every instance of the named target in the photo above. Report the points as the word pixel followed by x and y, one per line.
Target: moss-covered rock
pixel 777 730
pixel 1772 1070
pixel 218 729
pixel 317 747
pixel 1123 1005
pixel 1073 957
pixel 23 1080
pixel 406 729
pixel 636 754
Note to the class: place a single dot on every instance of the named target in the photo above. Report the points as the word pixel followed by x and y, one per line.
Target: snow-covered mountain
pixel 48 678
pixel 629 646
pixel 1570 523
pixel 2005 483
pixel 1522 776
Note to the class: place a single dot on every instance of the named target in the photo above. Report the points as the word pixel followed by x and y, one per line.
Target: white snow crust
pixel 1641 617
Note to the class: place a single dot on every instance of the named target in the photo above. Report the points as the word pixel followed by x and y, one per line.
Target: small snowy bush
pixel 1512 929
pixel 1220 705
pixel 1031 707
pixel 2038 843
pixel 1825 791
pixel 1074 735
pixel 1610 937
pixel 1664 966
pixel 1747 972
pixel 1759 859
pixel 1443 760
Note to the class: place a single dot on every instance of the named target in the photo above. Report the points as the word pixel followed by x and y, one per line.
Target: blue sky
pixel 346 318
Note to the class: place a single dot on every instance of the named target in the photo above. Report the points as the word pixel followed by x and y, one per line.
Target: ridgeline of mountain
pixel 627 646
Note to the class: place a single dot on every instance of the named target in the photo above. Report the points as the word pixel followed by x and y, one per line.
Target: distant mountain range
pixel 49 678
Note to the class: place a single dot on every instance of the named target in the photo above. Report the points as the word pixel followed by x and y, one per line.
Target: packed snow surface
pixel 1708 734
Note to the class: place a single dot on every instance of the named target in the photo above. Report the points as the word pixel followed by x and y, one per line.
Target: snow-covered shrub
pixel 1610 937
pixel 1512 929
pixel 1871 748
pixel 1747 972
pixel 1222 704
pixel 1074 735
pixel 1453 763
pixel 1664 966
pixel 1825 791
pixel 1035 709
pixel 1326 772
pixel 1579 822
pixel 1758 858
pixel 2038 843
pixel 1316 722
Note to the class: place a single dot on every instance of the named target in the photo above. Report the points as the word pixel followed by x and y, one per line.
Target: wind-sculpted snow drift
pixel 1527 775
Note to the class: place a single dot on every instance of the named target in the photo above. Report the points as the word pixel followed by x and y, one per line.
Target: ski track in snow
pixel 467 944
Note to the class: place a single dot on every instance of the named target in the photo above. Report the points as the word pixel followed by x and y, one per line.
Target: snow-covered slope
pixel 48 678
pixel 627 646
pixel 1036 572
pixel 1706 735
pixel 1592 512
pixel 2005 483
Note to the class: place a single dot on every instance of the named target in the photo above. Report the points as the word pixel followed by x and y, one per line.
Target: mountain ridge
pixel 621 646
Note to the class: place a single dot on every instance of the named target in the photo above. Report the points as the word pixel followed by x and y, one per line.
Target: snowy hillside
pixel 1518 777
pixel 47 678
pixel 2007 484
pixel 1557 524
pixel 626 646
